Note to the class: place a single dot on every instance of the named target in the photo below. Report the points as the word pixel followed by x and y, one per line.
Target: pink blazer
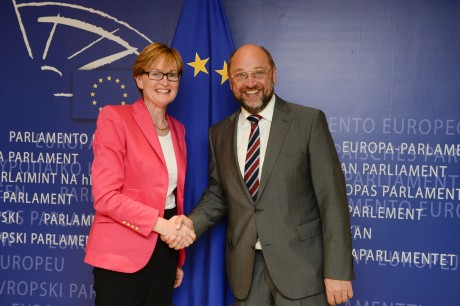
pixel 130 181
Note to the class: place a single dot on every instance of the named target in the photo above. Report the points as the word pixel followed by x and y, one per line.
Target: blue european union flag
pixel 203 39
pixel 93 89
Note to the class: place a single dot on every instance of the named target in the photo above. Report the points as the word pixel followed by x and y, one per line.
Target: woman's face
pixel 159 93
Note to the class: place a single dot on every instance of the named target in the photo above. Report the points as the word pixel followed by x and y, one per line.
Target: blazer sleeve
pixel 329 185
pixel 212 205
pixel 111 199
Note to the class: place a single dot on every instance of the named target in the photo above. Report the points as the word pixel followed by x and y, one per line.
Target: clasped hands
pixel 177 232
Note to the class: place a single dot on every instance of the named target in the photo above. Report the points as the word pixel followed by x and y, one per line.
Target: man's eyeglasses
pixel 158 76
pixel 256 74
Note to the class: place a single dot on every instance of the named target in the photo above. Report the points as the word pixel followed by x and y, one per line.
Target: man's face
pixel 252 80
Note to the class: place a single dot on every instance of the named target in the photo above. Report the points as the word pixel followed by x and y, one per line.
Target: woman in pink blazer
pixel 138 178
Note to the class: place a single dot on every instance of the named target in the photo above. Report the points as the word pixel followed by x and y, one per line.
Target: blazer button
pixel 257 210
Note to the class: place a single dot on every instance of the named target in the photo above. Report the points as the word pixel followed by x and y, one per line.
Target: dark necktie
pixel 251 168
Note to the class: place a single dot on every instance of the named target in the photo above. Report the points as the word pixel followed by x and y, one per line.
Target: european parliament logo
pixel 103 39
pixel 93 89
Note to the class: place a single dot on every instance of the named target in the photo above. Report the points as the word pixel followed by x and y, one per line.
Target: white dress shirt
pixel 242 138
pixel 244 129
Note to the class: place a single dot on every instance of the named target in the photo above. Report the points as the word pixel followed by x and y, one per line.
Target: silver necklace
pixel 165 128
pixel 165 119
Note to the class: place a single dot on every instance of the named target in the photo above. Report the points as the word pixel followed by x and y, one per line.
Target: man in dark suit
pixel 278 178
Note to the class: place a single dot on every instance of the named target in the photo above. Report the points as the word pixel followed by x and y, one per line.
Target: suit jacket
pixel 301 214
pixel 130 182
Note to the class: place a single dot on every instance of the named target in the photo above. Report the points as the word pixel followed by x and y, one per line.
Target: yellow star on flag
pixel 199 65
pixel 224 73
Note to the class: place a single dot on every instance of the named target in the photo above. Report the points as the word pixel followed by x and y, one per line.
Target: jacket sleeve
pixel 329 185
pixel 212 205
pixel 111 199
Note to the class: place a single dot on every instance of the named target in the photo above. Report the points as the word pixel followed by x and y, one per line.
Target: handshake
pixel 177 232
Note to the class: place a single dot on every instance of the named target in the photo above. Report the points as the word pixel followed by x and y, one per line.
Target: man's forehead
pixel 248 59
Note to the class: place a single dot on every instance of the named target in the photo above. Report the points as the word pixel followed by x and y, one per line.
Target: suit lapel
pixel 279 127
pixel 229 150
pixel 233 158
pixel 145 123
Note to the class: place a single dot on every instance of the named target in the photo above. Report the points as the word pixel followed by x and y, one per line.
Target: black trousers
pixel 151 286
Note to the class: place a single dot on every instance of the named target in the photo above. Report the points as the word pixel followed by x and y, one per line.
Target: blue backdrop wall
pixel 387 74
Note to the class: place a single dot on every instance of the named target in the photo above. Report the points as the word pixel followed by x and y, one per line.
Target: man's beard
pixel 255 109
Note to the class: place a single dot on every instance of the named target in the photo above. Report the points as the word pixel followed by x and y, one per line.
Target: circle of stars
pixel 108 79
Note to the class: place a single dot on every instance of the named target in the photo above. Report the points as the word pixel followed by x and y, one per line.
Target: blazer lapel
pixel 179 148
pixel 143 119
pixel 280 124
pixel 180 152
